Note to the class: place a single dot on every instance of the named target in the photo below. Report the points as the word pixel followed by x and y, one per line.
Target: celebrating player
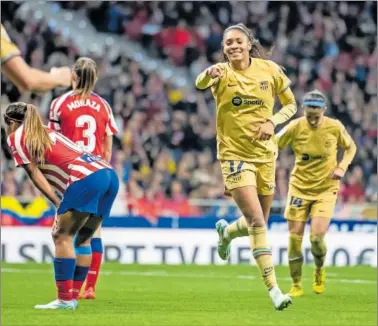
pixel 244 88
pixel 25 77
pixel 86 119
pixel 87 184
pixel 314 183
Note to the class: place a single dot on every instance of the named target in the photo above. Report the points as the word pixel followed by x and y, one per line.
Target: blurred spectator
pixel 372 188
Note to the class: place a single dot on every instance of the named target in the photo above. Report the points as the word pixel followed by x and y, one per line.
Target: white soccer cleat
pixel 224 245
pixel 58 304
pixel 280 300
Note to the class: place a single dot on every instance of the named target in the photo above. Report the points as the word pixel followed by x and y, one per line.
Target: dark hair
pixel 86 72
pixel 315 100
pixel 257 51
pixel 37 140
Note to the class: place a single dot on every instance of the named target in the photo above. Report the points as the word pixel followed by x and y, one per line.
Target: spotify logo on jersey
pixel 237 101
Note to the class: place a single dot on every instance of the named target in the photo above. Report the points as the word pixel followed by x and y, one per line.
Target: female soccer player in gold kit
pixel 244 89
pixel 314 183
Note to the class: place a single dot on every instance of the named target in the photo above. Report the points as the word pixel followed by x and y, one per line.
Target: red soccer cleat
pixel 88 294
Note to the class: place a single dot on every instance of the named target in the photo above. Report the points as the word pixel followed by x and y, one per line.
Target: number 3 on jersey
pixel 90 123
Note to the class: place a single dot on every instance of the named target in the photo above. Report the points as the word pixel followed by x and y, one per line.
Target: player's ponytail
pixel 85 70
pixel 37 139
pixel 257 51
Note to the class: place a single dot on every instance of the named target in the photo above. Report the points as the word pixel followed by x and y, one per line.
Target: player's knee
pixel 254 221
pixel 60 239
pixel 56 234
pixel 318 246
pixel 296 228
pixel 316 238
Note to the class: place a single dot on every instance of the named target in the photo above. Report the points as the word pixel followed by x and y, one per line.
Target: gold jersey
pixel 244 100
pixel 8 48
pixel 315 152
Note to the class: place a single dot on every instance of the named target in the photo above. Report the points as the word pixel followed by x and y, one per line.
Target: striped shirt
pixel 64 164
pixel 85 121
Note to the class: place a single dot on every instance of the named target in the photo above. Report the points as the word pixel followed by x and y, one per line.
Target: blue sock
pixel 64 271
pixel 64 268
pixel 79 278
pixel 96 245
pixel 80 273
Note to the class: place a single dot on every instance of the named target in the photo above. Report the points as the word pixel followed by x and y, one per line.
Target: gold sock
pixel 238 228
pixel 262 254
pixel 295 258
pixel 318 250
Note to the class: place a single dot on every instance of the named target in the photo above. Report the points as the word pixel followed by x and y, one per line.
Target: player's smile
pixel 236 54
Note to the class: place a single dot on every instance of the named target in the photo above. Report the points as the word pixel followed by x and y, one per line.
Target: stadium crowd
pixel 167 146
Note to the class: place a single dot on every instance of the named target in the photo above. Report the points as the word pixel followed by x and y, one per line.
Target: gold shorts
pixel 300 209
pixel 237 174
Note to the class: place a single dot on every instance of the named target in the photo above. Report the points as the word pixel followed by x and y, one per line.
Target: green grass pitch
pixel 190 295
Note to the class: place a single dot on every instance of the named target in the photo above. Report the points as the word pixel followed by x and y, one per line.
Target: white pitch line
pixel 184 275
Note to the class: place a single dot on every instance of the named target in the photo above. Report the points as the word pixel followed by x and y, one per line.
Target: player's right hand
pixel 214 71
pixel 63 75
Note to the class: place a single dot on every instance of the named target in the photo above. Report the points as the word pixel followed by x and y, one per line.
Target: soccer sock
pixel 238 228
pixel 64 271
pixel 262 254
pixel 94 270
pixel 318 250
pixel 78 280
pixel 295 258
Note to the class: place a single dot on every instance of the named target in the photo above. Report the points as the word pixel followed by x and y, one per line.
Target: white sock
pixel 275 291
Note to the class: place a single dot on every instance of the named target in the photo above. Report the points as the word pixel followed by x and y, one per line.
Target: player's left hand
pixel 337 174
pixel 266 131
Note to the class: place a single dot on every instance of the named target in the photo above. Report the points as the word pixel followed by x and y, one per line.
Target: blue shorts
pixel 94 194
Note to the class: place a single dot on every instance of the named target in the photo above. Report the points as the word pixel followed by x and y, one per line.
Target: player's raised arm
pixel 209 77
pixel 25 77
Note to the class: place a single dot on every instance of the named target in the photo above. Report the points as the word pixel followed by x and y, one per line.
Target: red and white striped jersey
pixel 64 164
pixel 85 121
